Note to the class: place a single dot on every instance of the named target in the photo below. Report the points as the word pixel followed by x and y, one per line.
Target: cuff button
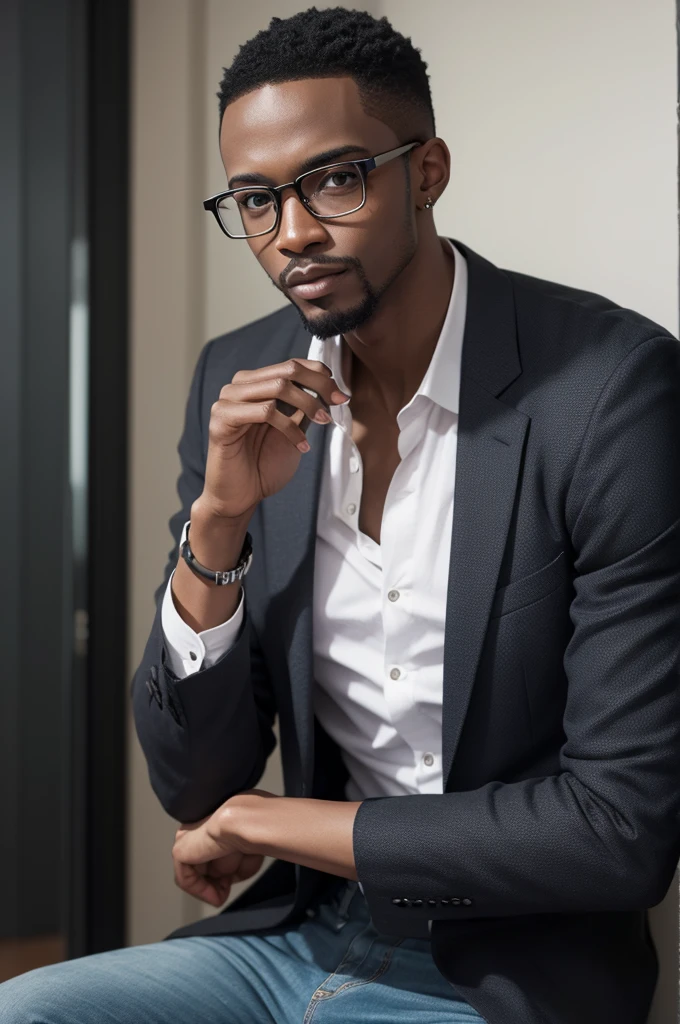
pixel 396 901
pixel 467 902
pixel 455 901
pixel 445 903
pixel 416 903
pixel 432 903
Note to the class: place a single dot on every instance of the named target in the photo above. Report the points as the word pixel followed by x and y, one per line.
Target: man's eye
pixel 339 179
pixel 254 200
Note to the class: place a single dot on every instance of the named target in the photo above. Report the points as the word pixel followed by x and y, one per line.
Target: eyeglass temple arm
pixel 392 154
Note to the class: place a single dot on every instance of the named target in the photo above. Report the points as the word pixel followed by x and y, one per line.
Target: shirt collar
pixel 441 382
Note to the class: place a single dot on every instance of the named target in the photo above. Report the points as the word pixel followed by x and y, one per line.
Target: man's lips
pixel 316 283
pixel 312 273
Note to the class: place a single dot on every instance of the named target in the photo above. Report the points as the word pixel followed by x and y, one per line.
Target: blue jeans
pixel 330 969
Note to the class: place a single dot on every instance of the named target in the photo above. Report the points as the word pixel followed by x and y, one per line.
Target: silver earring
pixel 429 204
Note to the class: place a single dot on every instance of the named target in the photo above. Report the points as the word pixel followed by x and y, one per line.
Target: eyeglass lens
pixel 329 193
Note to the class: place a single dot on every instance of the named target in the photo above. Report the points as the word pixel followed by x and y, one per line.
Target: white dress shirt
pixel 379 609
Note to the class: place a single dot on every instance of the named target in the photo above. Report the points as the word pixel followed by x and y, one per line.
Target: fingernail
pixel 304 446
pixel 321 416
pixel 339 396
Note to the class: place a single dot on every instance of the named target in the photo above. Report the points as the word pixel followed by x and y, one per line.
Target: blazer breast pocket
pixel 518 593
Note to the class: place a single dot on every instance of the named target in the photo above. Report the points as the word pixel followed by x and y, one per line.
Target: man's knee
pixel 36 997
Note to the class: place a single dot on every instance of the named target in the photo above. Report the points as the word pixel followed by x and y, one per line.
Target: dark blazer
pixel 558 822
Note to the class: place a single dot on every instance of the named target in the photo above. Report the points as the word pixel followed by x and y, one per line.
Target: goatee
pixel 341 321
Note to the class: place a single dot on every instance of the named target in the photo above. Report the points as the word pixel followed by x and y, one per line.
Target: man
pixel 461 601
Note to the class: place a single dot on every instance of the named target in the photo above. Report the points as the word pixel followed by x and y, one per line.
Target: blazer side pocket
pixel 518 593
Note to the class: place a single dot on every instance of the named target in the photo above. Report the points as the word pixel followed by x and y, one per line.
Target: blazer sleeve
pixel 207 736
pixel 603 833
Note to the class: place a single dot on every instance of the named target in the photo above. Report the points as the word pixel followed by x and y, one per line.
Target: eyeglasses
pixel 326 192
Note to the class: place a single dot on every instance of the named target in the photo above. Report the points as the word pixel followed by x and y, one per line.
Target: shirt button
pixel 353 464
pixel 395 673
pixel 393 595
pixel 351 509
pixel 428 759
pixel 193 655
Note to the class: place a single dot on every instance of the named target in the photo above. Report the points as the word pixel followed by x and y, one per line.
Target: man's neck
pixel 386 362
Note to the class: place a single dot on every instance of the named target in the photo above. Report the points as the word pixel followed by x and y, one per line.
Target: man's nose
pixel 298 228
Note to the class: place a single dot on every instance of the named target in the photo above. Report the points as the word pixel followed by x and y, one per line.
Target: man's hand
pixel 209 856
pixel 231 843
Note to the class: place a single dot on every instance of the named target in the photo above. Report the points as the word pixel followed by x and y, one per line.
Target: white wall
pixel 561 120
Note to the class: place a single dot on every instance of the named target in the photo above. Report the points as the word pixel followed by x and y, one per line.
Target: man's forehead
pixel 285 122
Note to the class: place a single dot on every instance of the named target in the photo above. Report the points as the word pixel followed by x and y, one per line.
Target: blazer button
pixel 432 903
pixel 455 901
pixel 416 903
pixel 467 902
pixel 445 903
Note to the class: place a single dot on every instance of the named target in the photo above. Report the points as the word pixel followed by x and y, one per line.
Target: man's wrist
pixel 202 513
pixel 314 833
pixel 241 819
pixel 216 542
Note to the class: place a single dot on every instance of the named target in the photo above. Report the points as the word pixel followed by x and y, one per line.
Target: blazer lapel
pixel 491 439
pixel 490 443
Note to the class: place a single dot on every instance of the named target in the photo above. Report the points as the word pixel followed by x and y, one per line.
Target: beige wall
pixel 562 126
pixel 166 328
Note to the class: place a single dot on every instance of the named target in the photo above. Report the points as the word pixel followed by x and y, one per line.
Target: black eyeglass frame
pixel 365 165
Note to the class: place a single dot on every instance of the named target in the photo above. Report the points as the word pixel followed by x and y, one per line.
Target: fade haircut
pixel 389 71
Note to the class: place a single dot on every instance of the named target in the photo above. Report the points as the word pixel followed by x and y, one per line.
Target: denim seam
pixel 313 1003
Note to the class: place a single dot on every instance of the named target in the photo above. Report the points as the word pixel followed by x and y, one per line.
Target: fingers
pixel 192 878
pixel 249 866
pixel 228 415
pixel 312 375
pixel 285 395
pixel 281 390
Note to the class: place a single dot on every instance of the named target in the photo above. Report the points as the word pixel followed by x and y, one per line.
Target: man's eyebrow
pixel 329 156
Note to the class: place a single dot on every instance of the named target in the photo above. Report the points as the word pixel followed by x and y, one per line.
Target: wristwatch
pixel 221 579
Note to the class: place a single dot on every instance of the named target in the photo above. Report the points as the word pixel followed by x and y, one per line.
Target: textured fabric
pixel 559 820
pixel 332 969
pixel 379 609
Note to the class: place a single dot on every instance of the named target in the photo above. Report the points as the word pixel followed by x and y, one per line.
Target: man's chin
pixel 326 323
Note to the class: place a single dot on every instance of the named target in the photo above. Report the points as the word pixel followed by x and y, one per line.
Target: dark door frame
pixel 98 918
pixel 64 115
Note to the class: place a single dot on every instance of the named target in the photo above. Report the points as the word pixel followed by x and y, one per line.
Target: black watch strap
pixel 221 579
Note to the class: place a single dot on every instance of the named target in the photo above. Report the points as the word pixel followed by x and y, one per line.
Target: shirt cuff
pixel 188 651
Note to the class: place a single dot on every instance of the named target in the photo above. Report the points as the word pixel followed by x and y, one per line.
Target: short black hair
pixel 388 69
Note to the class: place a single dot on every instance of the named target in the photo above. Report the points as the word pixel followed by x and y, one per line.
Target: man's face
pixel 275 130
